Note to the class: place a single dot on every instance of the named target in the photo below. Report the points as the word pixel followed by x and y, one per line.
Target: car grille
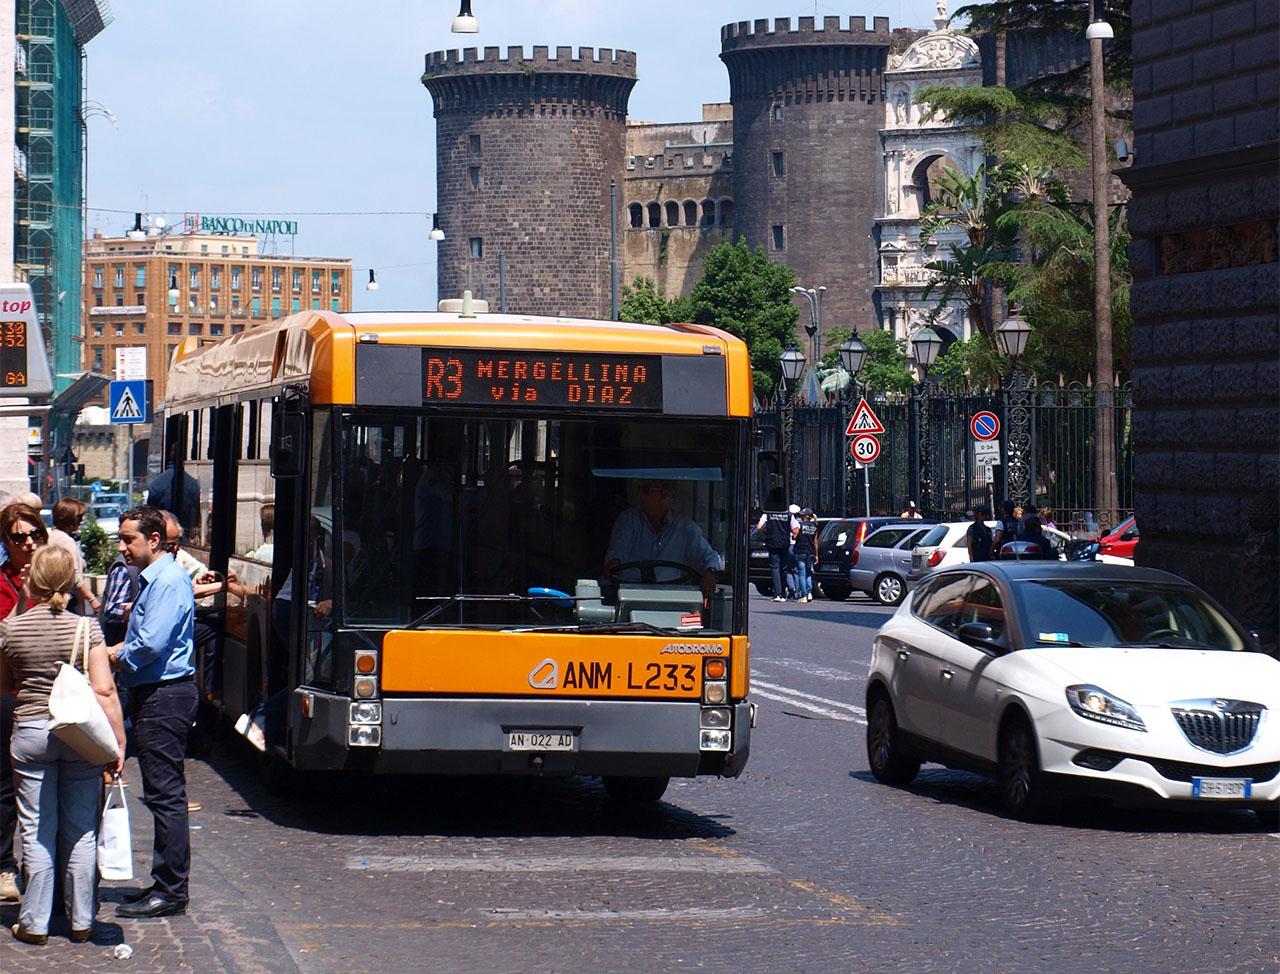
pixel 1219 726
pixel 1181 771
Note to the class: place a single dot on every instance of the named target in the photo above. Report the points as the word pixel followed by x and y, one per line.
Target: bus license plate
pixel 535 740
pixel 1221 787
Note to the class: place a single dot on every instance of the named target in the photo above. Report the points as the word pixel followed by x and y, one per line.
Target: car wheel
pixel 889 589
pixel 635 791
pixel 835 591
pixel 890 761
pixel 764 588
pixel 1021 780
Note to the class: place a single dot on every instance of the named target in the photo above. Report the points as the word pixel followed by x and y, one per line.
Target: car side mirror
pixel 1129 535
pixel 981 633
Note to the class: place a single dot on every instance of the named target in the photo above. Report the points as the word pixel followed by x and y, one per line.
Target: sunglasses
pixel 22 537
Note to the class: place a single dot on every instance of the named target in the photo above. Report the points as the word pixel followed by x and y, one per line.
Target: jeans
pixel 162 716
pixel 58 797
pixel 792 582
pixel 8 803
pixel 804 576
pixel 777 570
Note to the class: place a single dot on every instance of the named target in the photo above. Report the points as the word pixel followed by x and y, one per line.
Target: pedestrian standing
pixel 1009 528
pixel 68 513
pixel 979 539
pixel 806 547
pixel 912 512
pixel 792 570
pixel 58 791
pixel 155 665
pixel 779 528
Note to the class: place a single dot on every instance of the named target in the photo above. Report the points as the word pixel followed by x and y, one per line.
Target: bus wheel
pixel 635 791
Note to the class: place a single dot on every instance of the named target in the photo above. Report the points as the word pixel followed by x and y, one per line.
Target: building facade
pixel 678 192
pixel 224 284
pixel 525 148
pixel 1206 312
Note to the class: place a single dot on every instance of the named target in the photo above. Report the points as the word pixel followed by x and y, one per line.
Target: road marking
pixel 814 669
pixel 854 708
pixel 569 864
pixel 845 903
pixel 695 913
pixel 803 705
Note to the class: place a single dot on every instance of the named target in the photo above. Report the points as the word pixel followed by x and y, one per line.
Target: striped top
pixel 32 645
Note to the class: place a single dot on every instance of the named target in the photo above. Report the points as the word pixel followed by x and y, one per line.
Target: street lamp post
pixel 1011 336
pixel 852 355
pixel 925 346
pixel 814 328
pixel 792 363
pixel 1106 496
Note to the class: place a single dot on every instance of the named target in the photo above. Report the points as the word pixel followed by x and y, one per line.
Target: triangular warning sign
pixel 864 421
pixel 127 406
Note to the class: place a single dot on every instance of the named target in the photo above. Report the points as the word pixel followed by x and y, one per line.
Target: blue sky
pixel 296 106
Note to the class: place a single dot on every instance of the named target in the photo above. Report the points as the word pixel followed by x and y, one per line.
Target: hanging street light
pixel 373 281
pixel 137 233
pixel 436 233
pixel 792 362
pixel 465 22
pixel 1012 336
pixel 925 346
pixel 852 354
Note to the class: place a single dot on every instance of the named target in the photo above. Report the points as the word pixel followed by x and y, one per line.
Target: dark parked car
pixel 758 559
pixel 836 543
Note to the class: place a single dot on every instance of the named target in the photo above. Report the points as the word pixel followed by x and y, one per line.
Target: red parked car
pixel 1120 540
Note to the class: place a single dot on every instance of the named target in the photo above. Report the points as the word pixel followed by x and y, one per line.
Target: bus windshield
pixel 578 524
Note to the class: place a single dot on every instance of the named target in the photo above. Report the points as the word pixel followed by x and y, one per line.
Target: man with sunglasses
pixel 155 665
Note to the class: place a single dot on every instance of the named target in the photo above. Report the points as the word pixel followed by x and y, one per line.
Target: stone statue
pixel 900 109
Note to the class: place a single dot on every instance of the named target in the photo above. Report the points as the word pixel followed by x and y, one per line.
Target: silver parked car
pixel 883 560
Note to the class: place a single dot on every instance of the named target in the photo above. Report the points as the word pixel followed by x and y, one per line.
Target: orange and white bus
pixel 444 535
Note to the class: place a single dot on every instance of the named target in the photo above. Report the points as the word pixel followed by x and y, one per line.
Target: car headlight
pixel 1094 703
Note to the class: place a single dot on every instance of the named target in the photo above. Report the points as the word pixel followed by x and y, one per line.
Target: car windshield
pixel 935 537
pixel 105 510
pixel 838 532
pixel 1063 612
pixel 535 522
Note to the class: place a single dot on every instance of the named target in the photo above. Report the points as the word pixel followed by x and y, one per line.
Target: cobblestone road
pixel 804 864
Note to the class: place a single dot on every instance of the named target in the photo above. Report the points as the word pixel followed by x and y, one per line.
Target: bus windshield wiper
pixel 607 628
pixel 452 600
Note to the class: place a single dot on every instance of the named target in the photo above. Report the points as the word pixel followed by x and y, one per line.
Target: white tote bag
pixel 78 719
pixel 115 845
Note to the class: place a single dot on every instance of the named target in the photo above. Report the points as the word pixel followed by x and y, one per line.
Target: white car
pixel 945 546
pixel 1061 677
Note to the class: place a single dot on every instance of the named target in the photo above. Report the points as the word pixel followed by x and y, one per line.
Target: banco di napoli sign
pixel 195 223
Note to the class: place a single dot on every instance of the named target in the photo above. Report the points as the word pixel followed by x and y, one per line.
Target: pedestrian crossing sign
pixel 864 421
pixel 129 401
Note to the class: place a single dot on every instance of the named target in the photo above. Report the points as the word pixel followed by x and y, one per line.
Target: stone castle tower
pixel 807 110
pixel 525 147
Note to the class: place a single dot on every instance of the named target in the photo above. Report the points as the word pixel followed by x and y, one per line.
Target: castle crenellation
pixel 745 31
pixel 589 59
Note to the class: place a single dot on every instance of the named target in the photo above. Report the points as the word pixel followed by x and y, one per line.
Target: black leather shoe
pixel 153 906
pixel 139 896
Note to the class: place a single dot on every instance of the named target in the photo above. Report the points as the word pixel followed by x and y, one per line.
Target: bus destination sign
pixel 474 377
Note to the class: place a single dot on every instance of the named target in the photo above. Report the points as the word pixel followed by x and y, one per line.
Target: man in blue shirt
pixel 154 663
pixel 652 532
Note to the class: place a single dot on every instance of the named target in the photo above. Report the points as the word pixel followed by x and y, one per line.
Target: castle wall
pixel 525 147
pixel 815 96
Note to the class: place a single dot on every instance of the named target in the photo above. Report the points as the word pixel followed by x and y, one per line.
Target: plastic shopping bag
pixel 115 844
pixel 78 719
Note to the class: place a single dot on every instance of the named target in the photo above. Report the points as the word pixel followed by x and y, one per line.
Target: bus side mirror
pixel 288 445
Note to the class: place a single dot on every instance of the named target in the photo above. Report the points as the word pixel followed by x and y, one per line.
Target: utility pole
pixel 1106 495
pixel 613 248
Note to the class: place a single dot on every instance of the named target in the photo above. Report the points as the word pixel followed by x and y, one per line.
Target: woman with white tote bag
pixel 58 790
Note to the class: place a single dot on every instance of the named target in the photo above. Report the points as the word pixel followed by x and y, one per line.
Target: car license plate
pixel 1221 787
pixel 542 740
pixel 759 554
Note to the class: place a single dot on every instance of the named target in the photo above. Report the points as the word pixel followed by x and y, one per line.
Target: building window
pixel 637 216
pixel 315 282
pixel 778 236
pixel 655 215
pixel 690 213
pixel 215 328
pixel 139 327
pixel 140 300
pixel 779 168
pixel 204 248
pixel 257 307
pixel 172 350
pixel 225 248
pixel 97 329
pixel 97 277
pixel 97 358
pixel 215 278
pixel 257 278
pixel 335 282
pixel 708 213
pixel 119 329
pixel 473 173
pixel 275 279
pixel 333 305
pixel 119 275
pixel 477 246
pixel 195 328
pixel 119 300
pixel 475 145
pixel 244 251
pixel 97 300
pixel 673 213
pixel 726 213
pixel 235 304
pixel 297 281
pixel 235 278
pixel 175 328
pixel 213 304
pixel 315 304
pixel 139 275
pixel 275 307
pixel 237 329
pixel 775 113
pixel 296 306
pixel 195 278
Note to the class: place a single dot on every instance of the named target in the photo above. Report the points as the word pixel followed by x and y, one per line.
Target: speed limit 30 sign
pixel 865 448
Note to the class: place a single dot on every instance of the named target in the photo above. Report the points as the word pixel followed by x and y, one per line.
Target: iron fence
pixel 927 451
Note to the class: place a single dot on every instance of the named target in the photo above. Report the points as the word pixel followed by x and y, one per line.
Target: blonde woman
pixel 58 791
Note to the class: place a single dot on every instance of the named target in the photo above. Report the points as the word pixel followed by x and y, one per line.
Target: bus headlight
pixel 365 687
pixel 715 740
pixel 364 735
pixel 366 713
pixel 716 718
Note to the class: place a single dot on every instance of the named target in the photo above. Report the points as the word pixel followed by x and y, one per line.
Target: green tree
pixel 748 295
pixel 98 550
pixel 885 368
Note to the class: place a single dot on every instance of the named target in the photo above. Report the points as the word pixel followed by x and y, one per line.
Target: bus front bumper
pixel 471 736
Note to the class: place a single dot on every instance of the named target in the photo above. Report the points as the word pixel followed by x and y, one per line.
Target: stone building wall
pixel 1206 327
pixel 525 146
pixel 815 96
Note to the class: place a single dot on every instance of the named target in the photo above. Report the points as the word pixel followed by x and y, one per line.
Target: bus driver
pixel 651 531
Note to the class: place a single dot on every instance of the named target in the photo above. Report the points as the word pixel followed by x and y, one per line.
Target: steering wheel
pixel 688 572
pixel 1164 634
